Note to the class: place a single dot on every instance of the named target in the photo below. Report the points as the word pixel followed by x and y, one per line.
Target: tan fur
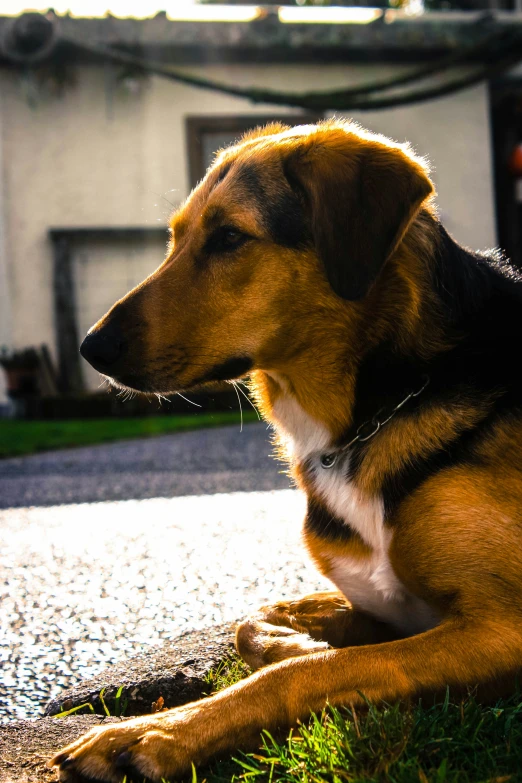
pixel 276 305
pixel 412 439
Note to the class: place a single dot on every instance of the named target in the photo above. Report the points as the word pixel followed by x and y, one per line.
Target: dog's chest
pixel 368 582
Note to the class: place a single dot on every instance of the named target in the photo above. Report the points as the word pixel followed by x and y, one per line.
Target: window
pixel 206 135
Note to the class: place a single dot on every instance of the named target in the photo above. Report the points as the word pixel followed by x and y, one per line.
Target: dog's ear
pixel 361 195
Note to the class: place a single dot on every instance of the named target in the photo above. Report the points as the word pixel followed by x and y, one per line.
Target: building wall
pixel 101 155
pixel 100 282
pixel 454 134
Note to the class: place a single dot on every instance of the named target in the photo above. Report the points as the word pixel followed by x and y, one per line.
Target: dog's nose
pixel 103 347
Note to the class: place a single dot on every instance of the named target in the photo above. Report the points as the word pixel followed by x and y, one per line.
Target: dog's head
pixel 288 223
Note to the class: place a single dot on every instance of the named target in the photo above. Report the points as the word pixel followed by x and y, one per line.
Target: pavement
pixel 208 530
pixel 225 459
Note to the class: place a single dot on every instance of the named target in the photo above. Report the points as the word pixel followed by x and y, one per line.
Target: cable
pixel 349 99
pixel 31 37
pixel 469 52
pixel 483 74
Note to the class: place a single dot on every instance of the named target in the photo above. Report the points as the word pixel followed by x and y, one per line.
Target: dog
pixel 386 357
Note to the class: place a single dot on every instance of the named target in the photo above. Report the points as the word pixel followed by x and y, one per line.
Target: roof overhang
pixel 392 37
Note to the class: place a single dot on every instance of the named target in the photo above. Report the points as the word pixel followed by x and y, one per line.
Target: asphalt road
pixel 205 534
pixel 190 463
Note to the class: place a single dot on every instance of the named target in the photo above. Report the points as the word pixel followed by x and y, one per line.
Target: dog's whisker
pixel 187 400
pixel 247 398
pixel 233 383
pixel 161 195
pixel 161 397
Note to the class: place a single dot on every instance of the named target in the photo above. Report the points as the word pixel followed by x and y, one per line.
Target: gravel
pixel 86 584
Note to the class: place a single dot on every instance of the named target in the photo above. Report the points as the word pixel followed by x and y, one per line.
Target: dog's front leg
pixel 459 652
pixel 163 746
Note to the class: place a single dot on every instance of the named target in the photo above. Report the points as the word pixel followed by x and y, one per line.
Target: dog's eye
pixel 225 239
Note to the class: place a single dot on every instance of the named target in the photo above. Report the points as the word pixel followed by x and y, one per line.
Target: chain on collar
pixel 368 429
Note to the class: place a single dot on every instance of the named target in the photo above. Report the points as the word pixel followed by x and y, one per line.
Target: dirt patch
pixel 26 745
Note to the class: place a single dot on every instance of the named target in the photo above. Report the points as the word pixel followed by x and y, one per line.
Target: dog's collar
pixel 371 427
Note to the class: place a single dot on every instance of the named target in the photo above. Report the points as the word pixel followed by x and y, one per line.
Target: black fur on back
pixel 481 299
pixel 465 280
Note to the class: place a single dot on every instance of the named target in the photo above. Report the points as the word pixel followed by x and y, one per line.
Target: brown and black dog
pixel 386 357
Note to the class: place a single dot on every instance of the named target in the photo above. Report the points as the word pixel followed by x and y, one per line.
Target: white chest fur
pixel 370 584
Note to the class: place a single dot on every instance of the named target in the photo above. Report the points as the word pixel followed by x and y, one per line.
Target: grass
pixel 120 705
pixel 229 671
pixel 450 742
pixel 461 742
pixel 27 437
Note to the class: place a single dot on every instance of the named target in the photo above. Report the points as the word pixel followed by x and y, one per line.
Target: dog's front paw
pixel 148 747
pixel 259 643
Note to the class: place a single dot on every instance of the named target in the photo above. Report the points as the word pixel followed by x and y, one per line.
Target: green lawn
pixel 453 742
pixel 26 437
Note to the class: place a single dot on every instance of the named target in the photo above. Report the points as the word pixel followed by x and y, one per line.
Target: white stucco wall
pixel 454 134
pixel 5 298
pixel 82 160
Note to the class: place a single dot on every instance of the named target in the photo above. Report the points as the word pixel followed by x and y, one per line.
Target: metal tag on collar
pixel 328 461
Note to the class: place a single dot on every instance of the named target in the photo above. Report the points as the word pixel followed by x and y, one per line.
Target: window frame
pixel 196 125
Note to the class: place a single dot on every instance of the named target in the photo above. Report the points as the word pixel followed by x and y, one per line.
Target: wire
pixel 503 48
pixel 418 96
pixel 471 52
